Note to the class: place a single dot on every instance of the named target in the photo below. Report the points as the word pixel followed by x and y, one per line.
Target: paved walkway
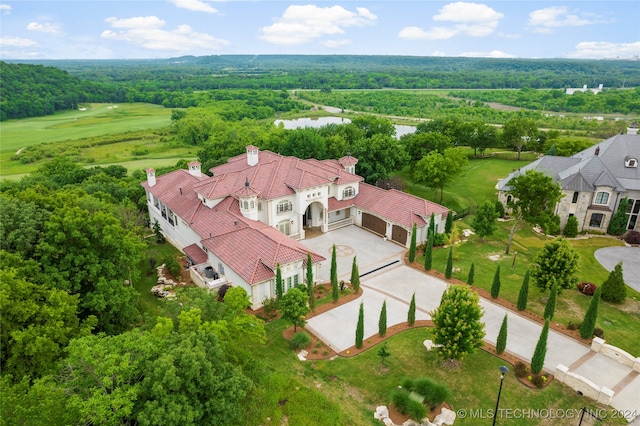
pixel 397 283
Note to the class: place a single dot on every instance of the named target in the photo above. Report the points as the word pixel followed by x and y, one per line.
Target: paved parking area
pixel 397 283
pixel 630 258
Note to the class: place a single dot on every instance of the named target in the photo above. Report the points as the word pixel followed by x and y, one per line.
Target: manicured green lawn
pixel 359 384
pixel 620 323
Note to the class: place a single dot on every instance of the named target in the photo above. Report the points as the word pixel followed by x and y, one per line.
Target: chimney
pixel 194 168
pixel 252 155
pixel 597 150
pixel 151 177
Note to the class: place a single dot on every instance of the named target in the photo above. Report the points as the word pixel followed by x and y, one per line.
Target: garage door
pixel 399 234
pixel 373 223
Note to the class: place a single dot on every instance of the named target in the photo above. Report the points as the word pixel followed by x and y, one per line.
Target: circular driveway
pixel 630 258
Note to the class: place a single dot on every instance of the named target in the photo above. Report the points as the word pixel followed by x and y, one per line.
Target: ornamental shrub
pixel 300 340
pixel 571 228
pixel 632 237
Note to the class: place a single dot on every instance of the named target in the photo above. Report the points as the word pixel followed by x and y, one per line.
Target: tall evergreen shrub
pixel 495 286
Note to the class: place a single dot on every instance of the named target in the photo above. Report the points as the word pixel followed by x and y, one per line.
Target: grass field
pixel 359 384
pixel 69 133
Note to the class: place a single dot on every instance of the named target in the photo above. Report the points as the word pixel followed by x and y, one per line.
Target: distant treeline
pixel 172 82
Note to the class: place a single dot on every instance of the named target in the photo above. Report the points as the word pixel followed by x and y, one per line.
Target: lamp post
pixel 503 370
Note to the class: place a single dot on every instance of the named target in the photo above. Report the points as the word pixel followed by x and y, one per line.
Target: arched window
pixel 602 198
pixel 349 192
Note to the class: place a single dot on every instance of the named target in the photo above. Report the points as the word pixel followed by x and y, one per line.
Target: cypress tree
pixel 449 271
pixel 448 224
pixel 360 327
pixel 411 316
pixel 432 224
pixel 495 287
pixel 279 283
pixel 523 296
pixel 501 343
pixel 550 307
pixel 472 272
pixel 335 294
pixel 412 246
pixel 310 286
pixel 428 253
pixel 382 322
pixel 590 317
pixel 618 222
pixel 614 289
pixel 355 276
pixel 539 354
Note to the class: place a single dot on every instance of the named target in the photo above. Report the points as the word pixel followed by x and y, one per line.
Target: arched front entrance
pixel 313 217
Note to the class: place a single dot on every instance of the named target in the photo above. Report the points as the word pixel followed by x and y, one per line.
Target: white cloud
pixel 468 12
pixel 547 20
pixel 492 54
pixel 194 5
pixel 43 28
pixel 438 53
pixel 5 9
pixel 302 23
pixel 602 49
pixel 147 32
pixel 17 42
pixel 471 19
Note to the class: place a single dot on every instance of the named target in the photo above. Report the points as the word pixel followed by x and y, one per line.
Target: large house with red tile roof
pixel 237 225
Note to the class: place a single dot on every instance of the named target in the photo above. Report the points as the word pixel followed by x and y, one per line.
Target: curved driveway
pixel 630 258
pixel 394 282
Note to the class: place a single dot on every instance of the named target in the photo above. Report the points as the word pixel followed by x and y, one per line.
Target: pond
pixel 317 122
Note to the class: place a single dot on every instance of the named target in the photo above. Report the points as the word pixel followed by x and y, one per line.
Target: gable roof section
pixel 253 253
pixel 175 190
pixel 396 206
pixel 274 176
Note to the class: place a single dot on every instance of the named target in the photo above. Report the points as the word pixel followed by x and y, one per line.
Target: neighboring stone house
pixel 238 224
pixel 593 181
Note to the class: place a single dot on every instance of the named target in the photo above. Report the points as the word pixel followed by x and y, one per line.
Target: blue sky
pixel 123 29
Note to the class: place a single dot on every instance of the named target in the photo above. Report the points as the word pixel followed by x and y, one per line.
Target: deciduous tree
pixel 457 321
pixel 484 220
pixel 534 195
pixel 518 132
pixel 435 170
pixel 294 306
pixel 383 352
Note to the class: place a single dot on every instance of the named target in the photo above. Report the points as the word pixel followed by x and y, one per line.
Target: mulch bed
pixel 318 350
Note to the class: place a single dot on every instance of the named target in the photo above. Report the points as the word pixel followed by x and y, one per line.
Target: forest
pixel 170 82
pixel 84 342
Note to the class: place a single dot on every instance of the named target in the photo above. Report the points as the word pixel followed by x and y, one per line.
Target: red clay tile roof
pixel 396 206
pixel 348 160
pixel 195 253
pixel 167 188
pixel 274 176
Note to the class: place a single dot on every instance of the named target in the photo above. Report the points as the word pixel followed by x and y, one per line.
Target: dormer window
pixel 349 192
pixel 602 198
pixel 630 162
